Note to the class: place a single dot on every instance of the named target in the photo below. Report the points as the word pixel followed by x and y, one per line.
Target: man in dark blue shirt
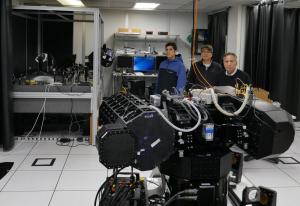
pixel 205 70
pixel 232 76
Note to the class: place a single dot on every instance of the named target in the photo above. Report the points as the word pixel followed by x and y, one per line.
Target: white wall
pixel 174 23
pixel 236 35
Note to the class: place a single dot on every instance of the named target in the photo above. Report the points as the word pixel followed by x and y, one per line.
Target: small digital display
pixel 144 64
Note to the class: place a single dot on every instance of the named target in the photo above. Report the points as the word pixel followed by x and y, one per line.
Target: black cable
pixel 105 184
pixel 187 191
pixel 116 196
pixel 100 189
pixel 67 144
pixel 108 191
pixel 122 197
pixel 173 198
pixel 124 192
pixel 126 197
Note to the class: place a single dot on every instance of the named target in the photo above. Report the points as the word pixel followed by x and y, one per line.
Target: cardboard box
pixel 136 30
pixel 123 30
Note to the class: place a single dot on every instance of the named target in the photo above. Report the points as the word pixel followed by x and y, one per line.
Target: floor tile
pixel 5 179
pixel 20 148
pixel 25 198
pixel 269 178
pixel 58 163
pixel 74 198
pixel 16 159
pixel 287 196
pixel 86 162
pixel 290 166
pixel 33 181
pixel 81 180
pixel 293 173
pixel 290 151
pixel 84 150
pixel 84 174
pixel 50 148
pixel 297 124
pixel 295 147
pixel 258 164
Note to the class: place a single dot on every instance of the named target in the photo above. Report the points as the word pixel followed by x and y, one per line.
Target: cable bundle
pixel 115 192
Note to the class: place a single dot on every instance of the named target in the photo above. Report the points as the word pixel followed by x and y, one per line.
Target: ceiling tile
pixel 204 5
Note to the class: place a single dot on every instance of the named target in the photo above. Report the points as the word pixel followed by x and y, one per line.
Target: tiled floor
pixel 77 174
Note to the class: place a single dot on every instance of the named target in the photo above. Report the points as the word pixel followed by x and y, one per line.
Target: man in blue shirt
pixel 172 72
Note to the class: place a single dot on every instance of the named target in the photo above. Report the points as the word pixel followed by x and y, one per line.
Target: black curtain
pixel 273 51
pixel 259 43
pixel 292 60
pixel 217 30
pixel 6 131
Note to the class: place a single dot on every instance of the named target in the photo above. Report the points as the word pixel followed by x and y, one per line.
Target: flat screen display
pixel 124 62
pixel 144 64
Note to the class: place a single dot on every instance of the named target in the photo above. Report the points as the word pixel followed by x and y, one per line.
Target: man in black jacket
pixel 206 69
pixel 232 76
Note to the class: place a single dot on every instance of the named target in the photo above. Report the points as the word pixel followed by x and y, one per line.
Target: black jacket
pixel 211 74
pixel 225 80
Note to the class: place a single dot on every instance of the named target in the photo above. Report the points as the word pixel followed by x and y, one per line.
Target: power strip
pixel 86 139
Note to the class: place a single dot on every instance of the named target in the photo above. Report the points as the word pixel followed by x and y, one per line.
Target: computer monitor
pixel 124 62
pixel 160 59
pixel 144 64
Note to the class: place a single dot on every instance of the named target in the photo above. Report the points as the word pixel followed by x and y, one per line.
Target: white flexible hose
pixel 175 127
pixel 47 89
pixel 224 111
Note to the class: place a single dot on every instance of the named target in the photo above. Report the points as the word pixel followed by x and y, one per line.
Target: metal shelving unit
pixel 147 39
pixel 94 96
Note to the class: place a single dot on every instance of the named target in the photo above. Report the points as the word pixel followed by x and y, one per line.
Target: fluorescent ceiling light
pixel 145 6
pixel 71 2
